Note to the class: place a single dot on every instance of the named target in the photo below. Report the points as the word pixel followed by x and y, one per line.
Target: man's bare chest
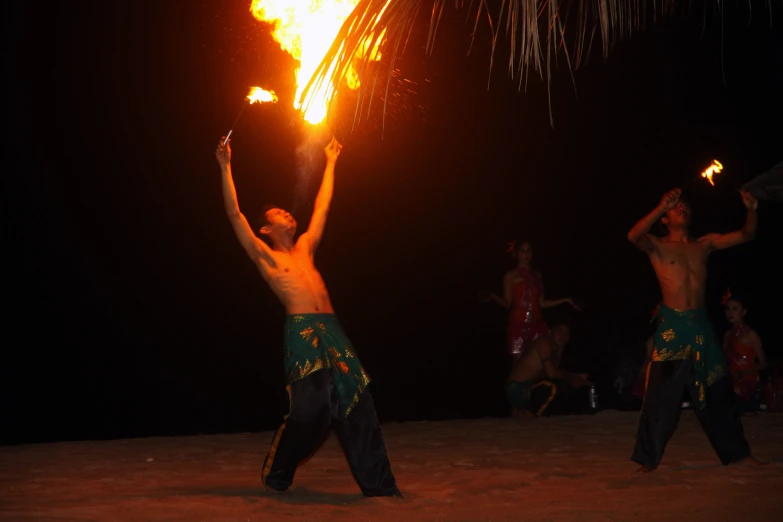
pixel 681 256
pixel 288 269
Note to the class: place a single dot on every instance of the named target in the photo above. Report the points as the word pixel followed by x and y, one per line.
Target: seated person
pixel 539 367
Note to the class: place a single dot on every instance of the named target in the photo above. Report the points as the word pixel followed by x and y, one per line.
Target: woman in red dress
pixel 742 349
pixel 523 294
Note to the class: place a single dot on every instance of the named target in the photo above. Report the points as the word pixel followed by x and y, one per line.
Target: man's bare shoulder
pixel 656 243
pixel 675 245
pixel 304 243
pixel 654 238
pixel 707 239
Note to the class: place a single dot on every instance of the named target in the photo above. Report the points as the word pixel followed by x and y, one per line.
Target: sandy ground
pixel 552 469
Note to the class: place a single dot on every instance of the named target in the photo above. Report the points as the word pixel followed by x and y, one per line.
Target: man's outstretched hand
pixel 223 152
pixel 333 150
pixel 749 200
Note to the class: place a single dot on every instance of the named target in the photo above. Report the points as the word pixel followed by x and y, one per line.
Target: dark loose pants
pixel 314 407
pixel 719 418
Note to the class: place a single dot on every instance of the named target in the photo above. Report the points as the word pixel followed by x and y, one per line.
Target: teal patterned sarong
pixel 688 335
pixel 315 342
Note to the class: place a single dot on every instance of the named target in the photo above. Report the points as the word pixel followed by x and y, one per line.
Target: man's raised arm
pixel 638 235
pixel 253 246
pixel 743 235
pixel 324 198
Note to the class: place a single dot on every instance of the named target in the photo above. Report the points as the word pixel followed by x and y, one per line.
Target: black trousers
pixel 720 417
pixel 314 407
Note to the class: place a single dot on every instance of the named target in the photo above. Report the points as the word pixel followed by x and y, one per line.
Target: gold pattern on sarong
pixel 667 354
pixel 364 380
pixel 313 344
pixel 668 335
pixel 300 372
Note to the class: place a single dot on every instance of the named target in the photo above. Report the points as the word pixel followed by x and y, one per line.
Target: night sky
pixel 132 310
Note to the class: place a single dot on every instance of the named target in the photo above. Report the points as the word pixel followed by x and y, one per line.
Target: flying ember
pixel 306 29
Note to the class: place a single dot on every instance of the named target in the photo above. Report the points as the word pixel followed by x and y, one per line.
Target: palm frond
pixel 386 25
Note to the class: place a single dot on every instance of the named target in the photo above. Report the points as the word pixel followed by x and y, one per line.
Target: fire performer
pixel 523 293
pixel 686 351
pixel 327 385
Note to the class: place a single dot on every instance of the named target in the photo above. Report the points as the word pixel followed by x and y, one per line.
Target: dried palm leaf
pixel 386 25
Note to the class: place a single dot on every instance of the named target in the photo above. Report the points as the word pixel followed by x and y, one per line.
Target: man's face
pixel 278 220
pixel 561 334
pixel 679 215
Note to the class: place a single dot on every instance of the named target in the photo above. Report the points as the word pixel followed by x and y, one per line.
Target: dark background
pixel 131 309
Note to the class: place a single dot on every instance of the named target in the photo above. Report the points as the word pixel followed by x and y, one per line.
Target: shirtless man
pixel 326 382
pixel 686 351
pixel 540 366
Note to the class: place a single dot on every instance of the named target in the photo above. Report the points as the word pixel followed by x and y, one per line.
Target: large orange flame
pixel 306 29
pixel 259 95
pixel 714 168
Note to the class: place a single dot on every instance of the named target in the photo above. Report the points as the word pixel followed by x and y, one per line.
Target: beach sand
pixel 548 469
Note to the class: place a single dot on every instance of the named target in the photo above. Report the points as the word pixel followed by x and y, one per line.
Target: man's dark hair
pixel 262 221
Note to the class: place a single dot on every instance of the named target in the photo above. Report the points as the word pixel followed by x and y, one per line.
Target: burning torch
pixel 256 95
pixel 715 168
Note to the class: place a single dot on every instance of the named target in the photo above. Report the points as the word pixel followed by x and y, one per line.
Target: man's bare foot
pixel 525 414
pixel 749 461
pixel 645 469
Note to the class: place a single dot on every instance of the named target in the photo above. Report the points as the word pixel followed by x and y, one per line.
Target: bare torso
pixel 295 280
pixel 681 268
pixel 529 367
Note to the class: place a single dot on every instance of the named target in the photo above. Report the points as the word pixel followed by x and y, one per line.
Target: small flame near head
pixel 714 168
pixel 259 95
